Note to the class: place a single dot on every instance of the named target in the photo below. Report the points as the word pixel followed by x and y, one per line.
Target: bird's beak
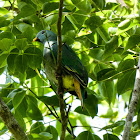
pixel 35 39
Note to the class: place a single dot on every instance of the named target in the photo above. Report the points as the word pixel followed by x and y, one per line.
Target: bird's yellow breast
pixel 68 82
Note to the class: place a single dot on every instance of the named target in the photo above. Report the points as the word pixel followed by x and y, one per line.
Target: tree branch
pixel 10 122
pixel 133 104
pixel 64 118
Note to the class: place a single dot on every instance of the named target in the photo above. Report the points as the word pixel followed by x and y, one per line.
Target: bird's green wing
pixel 72 64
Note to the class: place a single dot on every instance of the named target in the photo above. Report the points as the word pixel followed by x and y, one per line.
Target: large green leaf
pixel 86 135
pixel 27 31
pixel 132 42
pixel 19 96
pixel 8 35
pixel 126 65
pixel 50 6
pixel 53 100
pixel 26 10
pixel 91 103
pixel 52 130
pixel 21 62
pixel 93 22
pixel 81 111
pixel 109 73
pixel 99 3
pixel 37 127
pixel 45 135
pixel 3 11
pixel 3 59
pixel 34 56
pixel 33 111
pixel 110 137
pixel 107 90
pixel 126 81
pixel 4 22
pixel 20 119
pixel 5 44
pixel 21 43
pixel 116 124
pixel 82 5
pixel 110 46
pixel 11 59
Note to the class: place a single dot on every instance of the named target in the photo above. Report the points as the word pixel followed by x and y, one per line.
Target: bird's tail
pixel 80 91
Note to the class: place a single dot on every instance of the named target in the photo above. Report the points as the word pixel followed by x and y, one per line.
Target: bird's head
pixel 45 35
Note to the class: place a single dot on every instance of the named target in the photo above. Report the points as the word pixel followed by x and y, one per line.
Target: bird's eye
pixel 43 31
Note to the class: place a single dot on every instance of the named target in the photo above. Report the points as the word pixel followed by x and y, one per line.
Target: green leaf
pixel 124 24
pixel 116 124
pixel 53 100
pixel 106 89
pixel 8 35
pixel 21 63
pixel 3 11
pixel 126 65
pixel 96 53
pixel 4 22
pixel 26 10
pixel 5 44
pixel 81 111
pixel 93 22
pixel 11 59
pixel 110 46
pixel 37 127
pixel 22 108
pixel 69 137
pixel 18 98
pixel 126 81
pixel 77 19
pixel 27 31
pixel 45 135
pixel 86 135
pixel 99 3
pixel 2 69
pixel 110 137
pixel 67 25
pixel 14 92
pixel 30 73
pixel 3 59
pixel 50 6
pixel 91 103
pixel 20 119
pixel 33 111
pixel 34 56
pixel 132 42
pixel 109 73
pixel 51 19
pixel 52 130
pixel 21 43
pixel 83 5
pixel 103 32
pixel 6 89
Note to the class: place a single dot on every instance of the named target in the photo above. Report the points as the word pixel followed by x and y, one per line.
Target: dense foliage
pixel 104 35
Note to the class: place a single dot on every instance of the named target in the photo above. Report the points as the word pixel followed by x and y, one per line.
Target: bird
pixel 74 73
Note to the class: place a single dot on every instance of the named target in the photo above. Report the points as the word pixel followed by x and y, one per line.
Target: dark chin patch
pixel 38 40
